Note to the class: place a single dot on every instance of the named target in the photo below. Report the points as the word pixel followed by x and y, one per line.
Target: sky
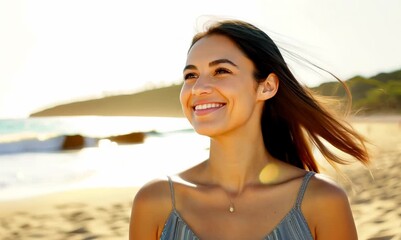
pixel 54 52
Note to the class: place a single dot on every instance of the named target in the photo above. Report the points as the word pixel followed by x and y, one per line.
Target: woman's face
pixel 219 91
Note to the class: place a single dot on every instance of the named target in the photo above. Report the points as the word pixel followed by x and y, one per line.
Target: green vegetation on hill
pixel 380 94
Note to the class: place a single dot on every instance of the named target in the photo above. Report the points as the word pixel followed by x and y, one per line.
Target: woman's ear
pixel 268 88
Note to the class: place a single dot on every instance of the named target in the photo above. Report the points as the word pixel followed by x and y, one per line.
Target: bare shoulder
pixel 325 195
pixel 150 209
pixel 154 192
pixel 327 209
pixel 323 188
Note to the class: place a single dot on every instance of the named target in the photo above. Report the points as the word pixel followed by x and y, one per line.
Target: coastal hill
pixel 160 102
pixel 379 94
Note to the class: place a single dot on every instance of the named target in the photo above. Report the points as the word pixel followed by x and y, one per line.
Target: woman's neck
pixel 235 163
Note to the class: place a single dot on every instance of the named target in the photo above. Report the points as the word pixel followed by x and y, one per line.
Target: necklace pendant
pixel 231 209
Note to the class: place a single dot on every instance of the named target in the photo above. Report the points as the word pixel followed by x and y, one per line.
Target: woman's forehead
pixel 211 48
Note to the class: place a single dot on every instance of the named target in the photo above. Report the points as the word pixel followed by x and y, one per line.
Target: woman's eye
pixel 222 71
pixel 189 76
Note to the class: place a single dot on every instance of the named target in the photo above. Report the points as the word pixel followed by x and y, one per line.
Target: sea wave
pixel 56 143
pixel 65 133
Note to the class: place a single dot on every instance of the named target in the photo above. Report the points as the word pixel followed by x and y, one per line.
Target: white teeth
pixel 207 106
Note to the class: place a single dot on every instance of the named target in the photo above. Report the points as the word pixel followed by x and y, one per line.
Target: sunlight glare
pixel 269 173
pixel 106 143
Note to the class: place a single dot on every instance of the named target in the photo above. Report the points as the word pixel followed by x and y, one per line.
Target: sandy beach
pixel 375 197
pixel 79 214
pixel 375 193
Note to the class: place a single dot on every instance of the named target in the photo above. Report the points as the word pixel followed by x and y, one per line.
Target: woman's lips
pixel 205 108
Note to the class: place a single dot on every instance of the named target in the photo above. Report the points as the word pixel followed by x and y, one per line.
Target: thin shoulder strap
pixel 302 189
pixel 171 191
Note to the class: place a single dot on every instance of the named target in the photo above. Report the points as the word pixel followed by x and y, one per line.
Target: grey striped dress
pixel 292 227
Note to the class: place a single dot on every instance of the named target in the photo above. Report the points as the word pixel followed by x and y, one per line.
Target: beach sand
pixel 375 197
pixel 375 193
pixel 101 213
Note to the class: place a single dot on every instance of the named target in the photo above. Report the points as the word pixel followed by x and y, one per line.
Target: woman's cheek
pixel 184 98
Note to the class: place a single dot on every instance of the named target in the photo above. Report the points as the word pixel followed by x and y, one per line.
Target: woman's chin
pixel 207 132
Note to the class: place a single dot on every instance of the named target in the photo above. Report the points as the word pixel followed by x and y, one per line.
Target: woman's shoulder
pixel 160 189
pixel 323 188
pixel 150 209
pixel 154 192
pixel 153 199
pixel 326 205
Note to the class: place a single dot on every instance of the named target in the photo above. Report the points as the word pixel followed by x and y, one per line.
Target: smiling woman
pixel 261 179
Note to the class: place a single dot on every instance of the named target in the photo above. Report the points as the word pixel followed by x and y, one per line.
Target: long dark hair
pixel 294 118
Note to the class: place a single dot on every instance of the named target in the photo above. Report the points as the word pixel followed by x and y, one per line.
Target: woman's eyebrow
pixel 189 67
pixel 223 60
pixel 213 63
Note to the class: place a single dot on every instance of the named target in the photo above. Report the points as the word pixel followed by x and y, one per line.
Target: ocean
pixel 32 163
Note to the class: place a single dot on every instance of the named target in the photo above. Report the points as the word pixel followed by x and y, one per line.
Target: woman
pixel 259 181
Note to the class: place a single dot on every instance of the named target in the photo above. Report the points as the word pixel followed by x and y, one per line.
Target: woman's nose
pixel 202 86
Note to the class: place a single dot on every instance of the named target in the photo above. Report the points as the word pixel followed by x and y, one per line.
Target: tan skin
pixel 237 159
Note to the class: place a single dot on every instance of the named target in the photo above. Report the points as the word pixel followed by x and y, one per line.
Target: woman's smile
pixel 206 108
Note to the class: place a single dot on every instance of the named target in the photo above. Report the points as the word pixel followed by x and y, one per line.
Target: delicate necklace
pixel 231 206
pixel 231 209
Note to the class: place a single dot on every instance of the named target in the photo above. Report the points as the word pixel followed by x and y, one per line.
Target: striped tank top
pixel 293 226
